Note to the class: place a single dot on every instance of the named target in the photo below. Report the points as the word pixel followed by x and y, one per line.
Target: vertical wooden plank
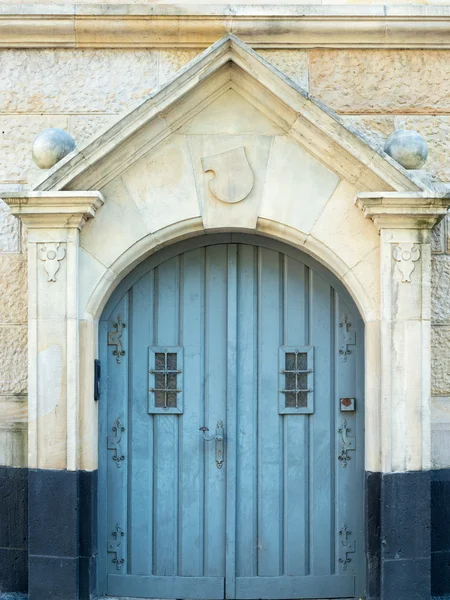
pixel 165 432
pixel 247 411
pixel 191 444
pixel 215 406
pixel 321 434
pixel 296 428
pixel 117 369
pixel 270 447
pixel 103 461
pixel 230 582
pixel 349 483
pixel 140 487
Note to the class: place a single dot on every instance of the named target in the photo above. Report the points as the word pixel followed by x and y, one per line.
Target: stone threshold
pixel 198 26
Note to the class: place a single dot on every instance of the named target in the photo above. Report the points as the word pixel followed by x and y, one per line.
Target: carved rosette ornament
pixel 406 255
pixel 52 254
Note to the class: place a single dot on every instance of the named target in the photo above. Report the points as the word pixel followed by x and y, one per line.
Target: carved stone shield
pixel 233 179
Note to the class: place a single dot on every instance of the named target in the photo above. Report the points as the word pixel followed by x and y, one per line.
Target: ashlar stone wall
pixel 375 91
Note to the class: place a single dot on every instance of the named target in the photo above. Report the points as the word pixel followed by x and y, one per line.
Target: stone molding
pixel 198 26
pixel 400 210
pixel 198 84
pixel 54 210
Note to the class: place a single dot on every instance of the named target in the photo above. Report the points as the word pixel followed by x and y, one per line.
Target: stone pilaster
pixel 404 551
pixel 53 220
pixel 61 558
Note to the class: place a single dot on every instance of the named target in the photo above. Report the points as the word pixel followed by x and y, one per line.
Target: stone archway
pixel 148 182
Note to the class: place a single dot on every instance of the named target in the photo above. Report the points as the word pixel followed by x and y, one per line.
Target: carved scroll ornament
pixel 406 255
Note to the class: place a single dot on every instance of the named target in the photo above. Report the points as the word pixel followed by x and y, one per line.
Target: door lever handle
pixel 219 439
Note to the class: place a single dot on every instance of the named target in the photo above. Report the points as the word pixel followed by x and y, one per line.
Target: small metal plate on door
pixel 348 404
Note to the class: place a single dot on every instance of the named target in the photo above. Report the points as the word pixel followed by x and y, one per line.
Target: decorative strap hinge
pixel 115 338
pixel 349 338
pixel 348 443
pixel 115 546
pixel 347 546
pixel 114 442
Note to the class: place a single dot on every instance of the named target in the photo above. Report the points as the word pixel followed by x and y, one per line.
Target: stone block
pixel 13 445
pixel 381 81
pixel 9 230
pixel 17 133
pixel 438 236
pixel 13 409
pixel 375 130
pixel 53 523
pixel 171 61
pixel 53 577
pixel 440 446
pixel 85 127
pixel 13 571
pixel 436 131
pixel 440 288
pixel 63 81
pixel 440 360
pixel 293 63
pixel 13 359
pixel 13 288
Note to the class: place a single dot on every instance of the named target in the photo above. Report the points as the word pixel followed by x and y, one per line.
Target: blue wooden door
pixel 250 337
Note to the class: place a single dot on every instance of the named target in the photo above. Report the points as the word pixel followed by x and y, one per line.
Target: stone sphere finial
pixel 408 148
pixel 50 146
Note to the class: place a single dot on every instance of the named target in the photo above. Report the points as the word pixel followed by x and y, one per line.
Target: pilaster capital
pixel 404 210
pixel 54 210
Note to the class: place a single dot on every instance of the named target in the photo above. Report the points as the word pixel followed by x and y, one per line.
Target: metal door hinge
pixel 347 546
pixel 97 374
pixel 115 546
pixel 347 443
pixel 114 442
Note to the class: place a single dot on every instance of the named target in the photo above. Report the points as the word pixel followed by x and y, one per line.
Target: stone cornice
pixel 404 210
pixel 198 26
pixel 53 210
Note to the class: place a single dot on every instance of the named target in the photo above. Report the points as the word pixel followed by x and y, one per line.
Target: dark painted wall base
pixel 408 535
pixel 13 530
pixel 46 549
pixel 440 532
pixel 48 535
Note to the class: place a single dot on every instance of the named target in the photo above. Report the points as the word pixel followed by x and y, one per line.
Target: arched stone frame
pixel 71 274
pixel 134 255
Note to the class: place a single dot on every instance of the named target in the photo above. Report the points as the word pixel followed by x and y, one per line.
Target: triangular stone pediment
pixel 233 95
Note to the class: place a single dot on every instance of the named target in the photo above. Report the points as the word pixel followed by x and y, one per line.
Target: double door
pixel 231 436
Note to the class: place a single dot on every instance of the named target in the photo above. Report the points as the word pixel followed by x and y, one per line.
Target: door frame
pixel 129 280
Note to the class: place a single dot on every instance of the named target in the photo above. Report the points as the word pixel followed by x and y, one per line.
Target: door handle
pixel 219 439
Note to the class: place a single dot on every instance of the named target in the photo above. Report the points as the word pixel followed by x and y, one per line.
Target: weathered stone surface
pixel 85 127
pixel 440 360
pixel 440 291
pixel 438 236
pixel 55 81
pixel 436 131
pixel 13 359
pixel 383 81
pixel 17 133
pixel 171 61
pixel 9 230
pixel 13 288
pixel 440 432
pixel 293 63
pixel 14 445
pixel 375 130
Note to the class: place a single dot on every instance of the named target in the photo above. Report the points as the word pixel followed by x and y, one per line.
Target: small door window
pixel 165 380
pixel 296 380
